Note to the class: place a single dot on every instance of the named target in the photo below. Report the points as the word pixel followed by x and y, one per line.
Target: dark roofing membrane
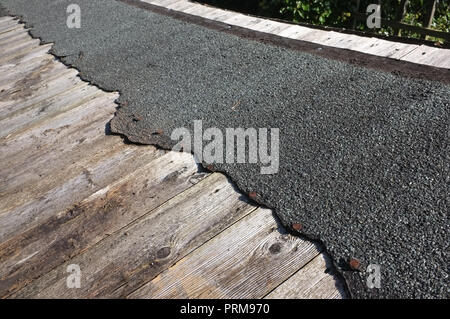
pixel 364 152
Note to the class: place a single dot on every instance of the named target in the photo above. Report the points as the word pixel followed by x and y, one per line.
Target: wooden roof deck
pixel 138 221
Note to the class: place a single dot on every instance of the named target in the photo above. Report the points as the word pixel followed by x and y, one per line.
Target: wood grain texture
pixel 25 149
pixel 247 260
pixel 269 26
pixel 316 36
pixel 313 281
pixel 388 49
pixel 49 197
pixel 25 55
pixel 15 72
pixel 18 44
pixel 128 259
pixel 35 114
pixel 179 5
pixel 28 88
pixel 161 3
pixel 241 20
pixel 27 43
pixel 10 26
pixel 13 36
pixel 198 10
pixel 36 251
pixel 5 19
pixel 429 56
pixel 218 15
pixel 294 32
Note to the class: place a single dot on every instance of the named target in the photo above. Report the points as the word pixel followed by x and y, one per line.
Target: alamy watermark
pixel 237 145
pixel 74 16
pixel 374 278
pixel 374 19
pixel 74 279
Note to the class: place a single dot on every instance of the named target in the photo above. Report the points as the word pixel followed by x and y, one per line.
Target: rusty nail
pixel 297 226
pixel 252 195
pixel 209 167
pixel 354 264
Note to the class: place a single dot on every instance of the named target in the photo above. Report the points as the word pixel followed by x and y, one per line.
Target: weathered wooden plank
pixel 313 281
pixel 198 10
pixel 33 91
pixel 10 37
pixel 269 26
pixel 33 253
pixel 430 56
pixel 25 54
pixel 71 168
pixel 242 20
pixel 35 188
pixel 33 72
pixel 388 49
pixel 188 6
pixel 322 37
pixel 247 260
pixel 23 43
pixel 179 5
pixel 363 44
pixel 19 35
pixel 62 132
pixel 192 7
pixel 14 72
pixel 315 36
pixel 136 254
pixel 6 19
pixel 343 41
pixel 218 15
pixel 161 3
pixel 294 32
pixel 7 27
pixel 399 50
pixel 101 169
pixel 46 109
pixel 31 150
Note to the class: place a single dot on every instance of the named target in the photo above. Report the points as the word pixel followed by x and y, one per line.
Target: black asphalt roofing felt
pixel 363 153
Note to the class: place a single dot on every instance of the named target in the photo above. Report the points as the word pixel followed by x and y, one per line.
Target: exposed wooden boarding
pixel 247 260
pixel 130 216
pixel 309 282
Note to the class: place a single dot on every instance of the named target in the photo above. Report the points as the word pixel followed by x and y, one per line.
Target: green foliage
pixel 327 12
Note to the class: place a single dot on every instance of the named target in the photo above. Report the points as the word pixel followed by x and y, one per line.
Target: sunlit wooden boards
pixel 258 256
pixel 5 19
pixel 310 282
pixel 419 54
pixel 138 221
pixel 429 56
